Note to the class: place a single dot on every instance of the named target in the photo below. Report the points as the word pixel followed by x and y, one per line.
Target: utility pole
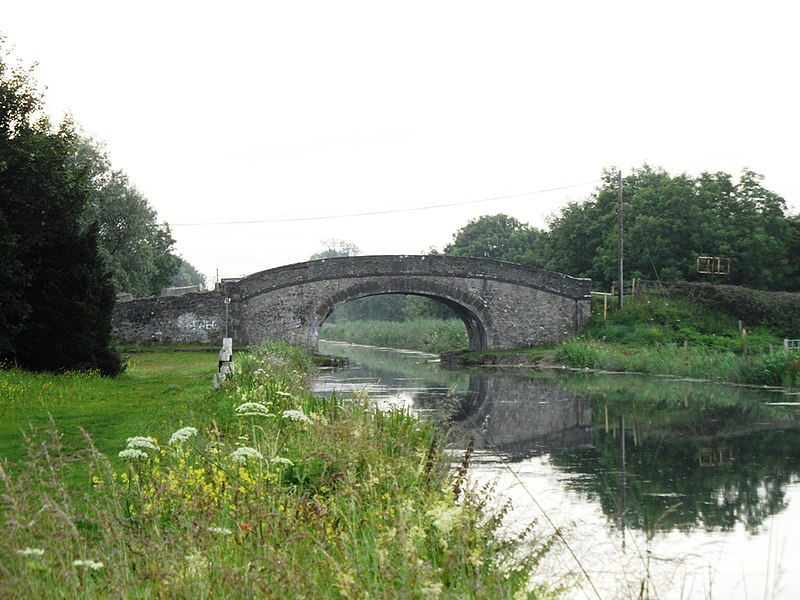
pixel 619 235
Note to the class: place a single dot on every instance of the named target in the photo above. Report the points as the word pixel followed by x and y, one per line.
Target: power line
pixel 386 211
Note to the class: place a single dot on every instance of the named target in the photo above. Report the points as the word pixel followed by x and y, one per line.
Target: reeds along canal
pixel 680 488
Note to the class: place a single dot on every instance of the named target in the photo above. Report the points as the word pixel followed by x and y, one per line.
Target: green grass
pixel 658 322
pixel 329 498
pixel 156 391
pixel 426 335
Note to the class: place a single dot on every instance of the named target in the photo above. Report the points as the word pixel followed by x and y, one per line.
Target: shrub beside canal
pixel 675 337
pixel 275 492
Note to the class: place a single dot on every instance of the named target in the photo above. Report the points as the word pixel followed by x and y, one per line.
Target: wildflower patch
pixel 314 502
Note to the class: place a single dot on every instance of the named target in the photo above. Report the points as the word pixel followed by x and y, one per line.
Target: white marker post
pixel 225 362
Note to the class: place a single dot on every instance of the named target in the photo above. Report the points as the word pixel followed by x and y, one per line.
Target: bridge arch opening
pixel 359 305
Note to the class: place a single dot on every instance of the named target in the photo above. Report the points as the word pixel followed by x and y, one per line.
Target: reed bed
pixel 426 335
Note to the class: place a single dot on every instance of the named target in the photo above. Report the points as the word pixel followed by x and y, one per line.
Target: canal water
pixel 660 488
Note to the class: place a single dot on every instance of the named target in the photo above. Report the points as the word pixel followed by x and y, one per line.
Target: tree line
pixel 669 221
pixel 73 232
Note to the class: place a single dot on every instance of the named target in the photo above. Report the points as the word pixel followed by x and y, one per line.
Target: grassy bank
pixel 426 335
pixel 157 390
pixel 675 337
pixel 259 488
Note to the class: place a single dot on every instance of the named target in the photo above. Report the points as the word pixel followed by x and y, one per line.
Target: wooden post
pixel 605 307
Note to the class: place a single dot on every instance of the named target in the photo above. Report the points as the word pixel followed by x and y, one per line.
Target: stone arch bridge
pixel 503 305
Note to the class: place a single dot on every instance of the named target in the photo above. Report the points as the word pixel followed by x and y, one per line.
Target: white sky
pixel 254 111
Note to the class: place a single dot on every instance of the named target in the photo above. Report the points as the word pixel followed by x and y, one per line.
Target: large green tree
pixel 669 221
pixel 57 299
pixel 137 249
pixel 499 237
pixel 793 276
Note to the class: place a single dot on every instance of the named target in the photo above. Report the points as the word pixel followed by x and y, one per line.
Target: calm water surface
pixel 671 489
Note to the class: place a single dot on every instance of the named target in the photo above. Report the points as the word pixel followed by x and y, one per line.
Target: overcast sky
pixel 272 112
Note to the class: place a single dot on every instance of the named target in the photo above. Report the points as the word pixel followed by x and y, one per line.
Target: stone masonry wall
pixel 498 314
pixel 436 266
pixel 503 305
pixel 191 318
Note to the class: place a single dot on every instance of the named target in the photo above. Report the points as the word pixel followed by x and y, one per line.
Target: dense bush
pixel 57 297
pixel 679 337
pixel 779 311
pixel 675 321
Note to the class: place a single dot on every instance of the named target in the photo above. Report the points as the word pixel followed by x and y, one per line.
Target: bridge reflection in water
pixel 518 416
pixel 524 416
pixel 702 478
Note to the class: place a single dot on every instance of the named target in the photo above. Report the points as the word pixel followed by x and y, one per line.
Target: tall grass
pixel 156 390
pixel 677 338
pixel 426 335
pixel 275 492
pixel 778 369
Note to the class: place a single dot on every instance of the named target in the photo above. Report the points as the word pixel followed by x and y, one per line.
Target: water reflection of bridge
pixel 522 417
pixel 678 455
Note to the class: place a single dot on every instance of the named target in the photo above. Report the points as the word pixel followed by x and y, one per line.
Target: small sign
pixel 714 265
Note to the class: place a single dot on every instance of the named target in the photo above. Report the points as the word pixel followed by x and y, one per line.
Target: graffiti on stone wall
pixel 191 322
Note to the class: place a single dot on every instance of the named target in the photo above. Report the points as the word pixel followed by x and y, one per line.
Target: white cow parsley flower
pixel 182 435
pixel 133 454
pixel 94 565
pixel 253 409
pixel 296 415
pixel 141 442
pixel 241 455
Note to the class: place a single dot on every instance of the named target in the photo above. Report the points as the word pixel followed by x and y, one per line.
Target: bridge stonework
pixel 503 305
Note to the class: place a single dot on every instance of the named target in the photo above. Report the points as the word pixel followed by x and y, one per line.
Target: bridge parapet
pixel 327 269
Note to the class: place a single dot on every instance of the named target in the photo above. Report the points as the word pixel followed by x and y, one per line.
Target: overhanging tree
pixel 137 249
